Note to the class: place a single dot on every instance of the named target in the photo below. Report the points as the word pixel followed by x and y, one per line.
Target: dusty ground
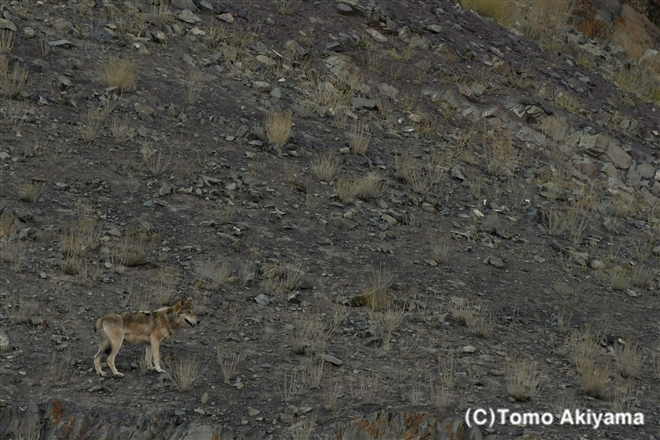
pixel 217 214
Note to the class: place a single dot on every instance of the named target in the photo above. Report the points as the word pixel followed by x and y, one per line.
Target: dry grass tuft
pixel 288 7
pixel 13 82
pixel 194 86
pixel 278 128
pixel 365 188
pixel 81 236
pixel 594 379
pixel 121 129
pixel 23 309
pixel 6 40
pixel 538 17
pixel 60 369
pixel 92 123
pixel 30 191
pixel 310 335
pixel 120 73
pixel 440 250
pixel 480 325
pixel 325 166
pixel 358 140
pixel 184 373
pixel 156 162
pixel 620 278
pixel 228 361
pixel 303 429
pixel 628 359
pixel 524 381
pixel 13 252
pixel 133 249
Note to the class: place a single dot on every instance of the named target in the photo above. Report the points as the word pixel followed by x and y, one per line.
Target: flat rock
pixel 184 4
pixel 226 17
pixel 332 359
pixel 7 24
pixel 186 15
pixel 618 156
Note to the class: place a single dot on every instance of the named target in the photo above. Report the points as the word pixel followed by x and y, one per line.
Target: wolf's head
pixel 185 310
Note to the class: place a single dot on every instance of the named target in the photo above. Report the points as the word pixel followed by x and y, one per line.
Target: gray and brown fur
pixel 146 328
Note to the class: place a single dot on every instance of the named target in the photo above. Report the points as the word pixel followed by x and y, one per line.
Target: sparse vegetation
pixel 184 373
pixel 12 82
pixel 120 73
pixel 524 380
pixel 278 128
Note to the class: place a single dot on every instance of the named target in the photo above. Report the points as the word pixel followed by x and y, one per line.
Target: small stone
pixel 377 36
pixel 469 349
pixel 262 299
pixel 597 265
pixel 253 412
pixel 332 359
pixel 186 15
pixel 226 17
pixel 205 398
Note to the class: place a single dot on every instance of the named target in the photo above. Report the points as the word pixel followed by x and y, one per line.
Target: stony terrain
pixel 377 206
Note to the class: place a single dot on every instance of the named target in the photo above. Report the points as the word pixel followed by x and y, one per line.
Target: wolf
pixel 146 328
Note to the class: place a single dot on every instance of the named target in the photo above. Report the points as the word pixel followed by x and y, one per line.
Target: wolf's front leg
pixel 155 348
pixel 149 358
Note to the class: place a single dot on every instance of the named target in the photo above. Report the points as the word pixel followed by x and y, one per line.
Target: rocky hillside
pixel 388 213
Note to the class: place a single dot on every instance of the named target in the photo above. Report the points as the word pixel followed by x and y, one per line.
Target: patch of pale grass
pixel 278 128
pixel 81 236
pixel 538 17
pixel 524 381
pixel 325 166
pixel 184 373
pixel 358 139
pixel 120 73
pixel 223 213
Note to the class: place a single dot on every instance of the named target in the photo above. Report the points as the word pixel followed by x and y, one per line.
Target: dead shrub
pixel 6 40
pixel 499 10
pixel 620 278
